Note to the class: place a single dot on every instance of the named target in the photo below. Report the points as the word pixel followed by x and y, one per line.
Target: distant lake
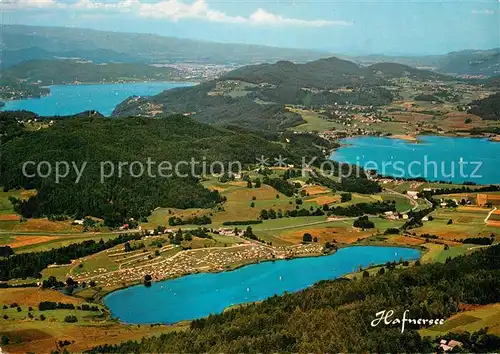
pixel 198 295
pixel 433 157
pixel 71 99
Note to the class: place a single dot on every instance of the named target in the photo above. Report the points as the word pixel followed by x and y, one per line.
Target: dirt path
pixel 489 215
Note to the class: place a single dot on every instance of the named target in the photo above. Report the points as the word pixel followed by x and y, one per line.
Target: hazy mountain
pixel 13 57
pixel 20 43
pixel 395 70
pixel 461 63
pixel 49 72
pixel 86 43
pixel 471 62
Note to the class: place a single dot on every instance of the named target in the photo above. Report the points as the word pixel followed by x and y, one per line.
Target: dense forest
pixel 357 183
pixel 335 316
pixel 120 197
pixel 362 209
pixel 488 108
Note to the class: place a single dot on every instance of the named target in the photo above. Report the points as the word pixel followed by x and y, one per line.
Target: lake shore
pixel 290 283
pixel 412 158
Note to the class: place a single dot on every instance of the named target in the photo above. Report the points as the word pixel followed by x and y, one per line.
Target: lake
pixel 71 99
pixel 198 295
pixel 449 159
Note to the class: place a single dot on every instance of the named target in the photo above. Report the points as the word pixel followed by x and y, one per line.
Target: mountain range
pixel 20 43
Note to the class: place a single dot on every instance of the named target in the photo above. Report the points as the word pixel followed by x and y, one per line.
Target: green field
pixel 437 252
pixel 471 321
pixel 65 241
pixel 51 315
pixel 402 203
pixel 5 204
pixel 314 122
pixel 465 223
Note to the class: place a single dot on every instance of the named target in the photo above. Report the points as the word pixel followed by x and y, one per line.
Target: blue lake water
pixel 71 99
pixel 433 157
pixel 198 295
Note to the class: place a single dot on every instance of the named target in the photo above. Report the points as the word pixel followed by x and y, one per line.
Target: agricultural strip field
pixel 32 243
pixel 471 321
pixel 438 253
pixel 466 222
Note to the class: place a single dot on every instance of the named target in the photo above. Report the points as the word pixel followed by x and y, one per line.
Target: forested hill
pixel 53 72
pixel 218 109
pixel 328 73
pixel 97 139
pixel 254 96
pixel 335 316
pixel 487 108
pixel 460 63
pixel 324 73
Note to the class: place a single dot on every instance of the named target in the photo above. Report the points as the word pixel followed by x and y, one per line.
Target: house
pixel 405 216
pixel 447 346
pixel 425 218
pixel 413 194
pixel 78 222
pixel 124 227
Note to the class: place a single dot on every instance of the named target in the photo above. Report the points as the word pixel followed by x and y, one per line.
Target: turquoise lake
pixel 198 295
pixel 435 158
pixel 71 99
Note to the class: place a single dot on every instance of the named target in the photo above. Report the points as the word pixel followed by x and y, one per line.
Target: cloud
pixel 266 18
pixel 483 12
pixel 173 10
pixel 176 10
pixel 21 4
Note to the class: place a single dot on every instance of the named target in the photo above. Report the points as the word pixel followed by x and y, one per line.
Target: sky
pixel 391 27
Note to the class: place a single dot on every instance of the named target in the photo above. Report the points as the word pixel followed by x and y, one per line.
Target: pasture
pixel 471 320
pixel 314 122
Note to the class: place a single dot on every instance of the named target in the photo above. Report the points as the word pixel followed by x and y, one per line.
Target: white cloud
pixel 483 12
pixel 173 10
pixel 176 10
pixel 21 4
pixel 263 17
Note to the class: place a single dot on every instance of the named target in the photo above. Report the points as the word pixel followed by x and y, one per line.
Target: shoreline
pixel 231 268
pixel 5 101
